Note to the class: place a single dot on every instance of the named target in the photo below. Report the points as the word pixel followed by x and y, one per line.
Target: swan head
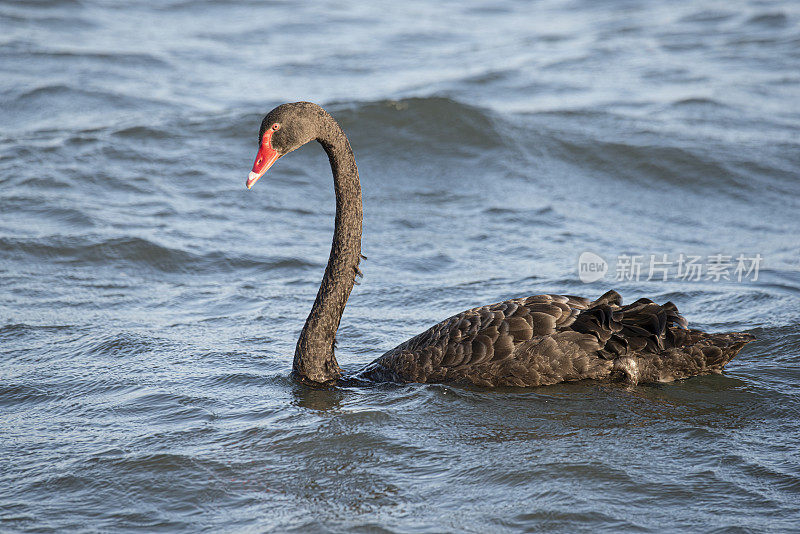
pixel 285 128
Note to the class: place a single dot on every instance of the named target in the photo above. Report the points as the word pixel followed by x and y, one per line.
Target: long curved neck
pixel 314 357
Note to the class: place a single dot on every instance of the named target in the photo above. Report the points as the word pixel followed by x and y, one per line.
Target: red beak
pixel 264 159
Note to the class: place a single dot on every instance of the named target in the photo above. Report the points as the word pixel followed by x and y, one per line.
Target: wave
pixel 139 252
pixel 62 106
pixel 769 20
pixel 600 143
pixel 48 96
pixel 16 394
pixel 432 124
pixel 127 59
pixel 699 101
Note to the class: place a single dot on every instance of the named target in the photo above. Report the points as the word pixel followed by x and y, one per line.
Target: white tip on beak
pixel 251 179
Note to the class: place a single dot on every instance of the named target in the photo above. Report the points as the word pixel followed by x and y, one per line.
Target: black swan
pixel 531 341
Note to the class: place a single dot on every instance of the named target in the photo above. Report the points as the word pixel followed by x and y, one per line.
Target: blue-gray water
pixel 149 304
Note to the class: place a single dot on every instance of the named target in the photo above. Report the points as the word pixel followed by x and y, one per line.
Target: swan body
pixel 533 341
pixel 547 339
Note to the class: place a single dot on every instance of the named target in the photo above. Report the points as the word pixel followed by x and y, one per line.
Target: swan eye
pixel 276 126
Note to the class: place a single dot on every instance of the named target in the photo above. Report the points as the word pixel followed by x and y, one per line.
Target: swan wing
pixel 547 339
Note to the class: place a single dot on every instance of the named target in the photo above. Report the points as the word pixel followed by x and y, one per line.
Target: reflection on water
pixel 322 399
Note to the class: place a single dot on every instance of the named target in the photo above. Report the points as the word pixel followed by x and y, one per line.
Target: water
pixel 150 304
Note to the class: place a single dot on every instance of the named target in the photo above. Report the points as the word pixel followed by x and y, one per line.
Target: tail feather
pixel 719 349
pixel 650 342
pixel 701 354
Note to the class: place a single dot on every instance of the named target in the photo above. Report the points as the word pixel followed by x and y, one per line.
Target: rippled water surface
pixel 149 303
